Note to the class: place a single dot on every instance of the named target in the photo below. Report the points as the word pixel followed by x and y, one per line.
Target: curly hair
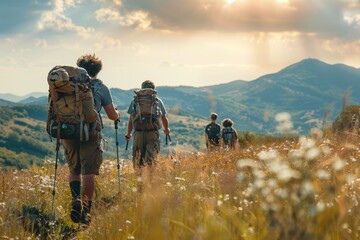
pixel 213 116
pixel 148 84
pixel 91 63
pixel 227 122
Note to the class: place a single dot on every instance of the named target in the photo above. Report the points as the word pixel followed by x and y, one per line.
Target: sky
pixel 172 42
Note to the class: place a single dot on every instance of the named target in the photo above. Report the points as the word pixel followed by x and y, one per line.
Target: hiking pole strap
pixel 127 144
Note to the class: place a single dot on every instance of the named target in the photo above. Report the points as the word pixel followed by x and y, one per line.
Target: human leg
pixel 91 160
pixel 72 155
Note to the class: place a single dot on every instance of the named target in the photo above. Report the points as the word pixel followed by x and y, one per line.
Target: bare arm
pixel 111 112
pixel 165 123
pixel 129 129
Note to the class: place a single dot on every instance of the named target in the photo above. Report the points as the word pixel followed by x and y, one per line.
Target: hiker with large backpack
pixel 228 134
pixel 212 133
pixel 147 114
pixel 74 117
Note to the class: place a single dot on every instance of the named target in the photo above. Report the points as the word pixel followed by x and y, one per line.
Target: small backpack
pixel 147 111
pixel 228 135
pixel 213 132
pixel 71 103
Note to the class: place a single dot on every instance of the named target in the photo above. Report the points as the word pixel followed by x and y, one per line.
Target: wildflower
pixel 265 191
pixel 284 122
pixel 128 222
pixel 316 134
pixel 287 173
pixel 247 163
pixel 307 189
pixel 259 173
pixel 282 117
pixel 320 206
pixel 182 188
pixel 306 143
pixel 296 153
pixel 281 193
pixel 338 165
pixel 168 184
pixel 259 183
pixel 326 150
pixel 312 154
pixel 272 183
pixel 350 178
pixel 323 174
pixel 268 155
pixel 180 179
pixel 219 203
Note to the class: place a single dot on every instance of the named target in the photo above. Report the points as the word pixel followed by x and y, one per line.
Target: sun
pixel 230 1
pixel 283 1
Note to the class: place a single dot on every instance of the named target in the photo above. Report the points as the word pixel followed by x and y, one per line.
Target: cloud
pixel 138 19
pixel 56 19
pixel 106 42
pixel 19 16
pixel 325 18
pixel 41 43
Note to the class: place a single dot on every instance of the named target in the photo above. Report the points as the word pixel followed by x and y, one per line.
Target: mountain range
pixel 312 91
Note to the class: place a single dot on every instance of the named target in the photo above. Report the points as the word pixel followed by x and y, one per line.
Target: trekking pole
pixel 55 171
pixel 117 152
pixel 127 144
pixel 167 138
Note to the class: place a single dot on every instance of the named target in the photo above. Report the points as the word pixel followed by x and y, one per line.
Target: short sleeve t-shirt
pixel 102 95
pixel 163 112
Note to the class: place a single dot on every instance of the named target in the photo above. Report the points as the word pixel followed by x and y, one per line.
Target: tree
pixel 346 121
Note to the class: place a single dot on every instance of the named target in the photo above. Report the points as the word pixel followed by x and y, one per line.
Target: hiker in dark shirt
pixel 212 133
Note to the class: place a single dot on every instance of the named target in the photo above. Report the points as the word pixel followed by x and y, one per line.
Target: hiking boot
pixel 86 218
pixel 76 210
pixel 85 215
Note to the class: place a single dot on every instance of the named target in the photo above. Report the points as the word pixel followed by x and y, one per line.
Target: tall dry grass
pixel 306 188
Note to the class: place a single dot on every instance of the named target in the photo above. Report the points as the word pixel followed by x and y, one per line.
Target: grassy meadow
pixel 286 188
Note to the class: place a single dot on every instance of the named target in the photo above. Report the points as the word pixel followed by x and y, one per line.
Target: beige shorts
pixel 84 157
pixel 146 148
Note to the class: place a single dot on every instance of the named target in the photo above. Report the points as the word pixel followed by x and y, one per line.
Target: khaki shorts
pixel 146 148
pixel 84 157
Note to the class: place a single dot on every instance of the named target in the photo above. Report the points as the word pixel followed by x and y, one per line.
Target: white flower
pixel 308 188
pixel 350 178
pixel 247 163
pixel 281 193
pixel 287 173
pixel 338 165
pixel 320 206
pixel 323 174
pixel 282 117
pixel 306 143
pixel 312 154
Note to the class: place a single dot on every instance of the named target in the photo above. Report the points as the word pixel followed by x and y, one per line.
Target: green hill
pixel 25 142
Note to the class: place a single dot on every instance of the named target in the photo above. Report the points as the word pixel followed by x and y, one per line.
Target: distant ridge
pixel 305 89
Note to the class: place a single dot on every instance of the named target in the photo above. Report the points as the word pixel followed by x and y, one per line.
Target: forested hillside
pixel 25 142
